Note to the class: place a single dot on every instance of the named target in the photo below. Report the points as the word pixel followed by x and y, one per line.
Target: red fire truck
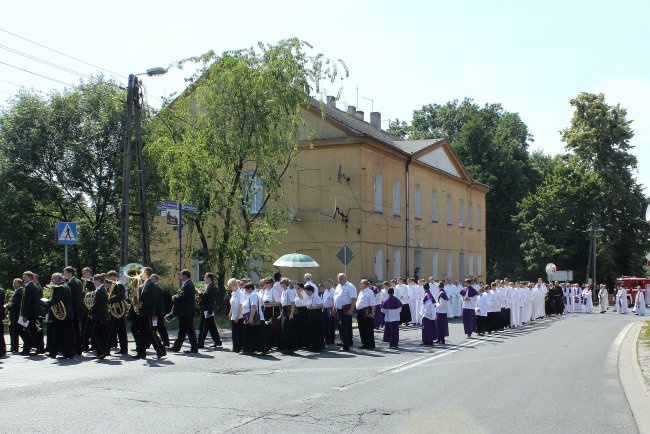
pixel 630 283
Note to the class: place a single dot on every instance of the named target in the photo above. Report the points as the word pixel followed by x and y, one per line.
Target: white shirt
pixel 300 302
pixel 236 301
pixel 314 300
pixel 253 299
pixel 481 305
pixel 366 299
pixel 328 298
pixel 428 310
pixel 470 303
pixel 402 292
pixel 272 295
pixel 343 294
pixel 288 297
pixel 313 285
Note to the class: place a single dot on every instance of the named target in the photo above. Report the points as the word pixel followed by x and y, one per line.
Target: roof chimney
pixel 359 115
pixel 375 119
pixel 331 100
pixel 352 110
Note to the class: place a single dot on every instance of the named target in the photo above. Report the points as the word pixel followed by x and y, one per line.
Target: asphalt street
pixel 554 375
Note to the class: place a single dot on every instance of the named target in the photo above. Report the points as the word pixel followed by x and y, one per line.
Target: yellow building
pixel 401 207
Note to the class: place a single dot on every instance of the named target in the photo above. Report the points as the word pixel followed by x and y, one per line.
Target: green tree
pixel 228 141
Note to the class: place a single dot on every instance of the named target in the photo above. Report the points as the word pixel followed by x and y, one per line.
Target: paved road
pixel 555 375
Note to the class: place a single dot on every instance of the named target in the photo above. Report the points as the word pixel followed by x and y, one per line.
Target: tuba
pixel 117 310
pixel 89 299
pixel 134 273
pixel 58 309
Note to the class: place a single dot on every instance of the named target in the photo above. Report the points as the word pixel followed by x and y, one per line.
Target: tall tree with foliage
pixel 493 144
pixel 227 142
pixel 596 179
pixel 63 156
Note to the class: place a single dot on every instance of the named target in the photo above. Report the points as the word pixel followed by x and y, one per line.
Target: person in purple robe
pixel 469 296
pixel 442 324
pixel 391 309
pixel 428 315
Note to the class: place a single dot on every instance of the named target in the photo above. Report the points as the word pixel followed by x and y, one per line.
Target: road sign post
pixel 66 234
pixel 180 207
pixel 345 255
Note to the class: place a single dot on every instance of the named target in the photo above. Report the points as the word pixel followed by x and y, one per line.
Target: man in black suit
pixel 14 314
pixel 184 305
pixel 76 300
pixel 147 311
pixel 30 310
pixel 85 321
pixel 117 326
pixel 208 301
pixel 3 345
pixel 60 335
pixel 160 313
pixel 100 317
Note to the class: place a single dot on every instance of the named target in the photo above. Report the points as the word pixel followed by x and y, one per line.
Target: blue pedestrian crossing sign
pixel 66 232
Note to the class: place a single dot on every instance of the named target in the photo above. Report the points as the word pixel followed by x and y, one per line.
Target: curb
pixel 629 371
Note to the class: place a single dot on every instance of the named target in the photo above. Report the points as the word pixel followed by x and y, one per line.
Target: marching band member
pixel 60 330
pixel 14 314
pixel 391 308
pixel 160 313
pixel 184 305
pixel 3 344
pixel 314 306
pixel 345 299
pixel 100 317
pixel 117 326
pixel 207 306
pixel 86 323
pixel 76 294
pixel 29 313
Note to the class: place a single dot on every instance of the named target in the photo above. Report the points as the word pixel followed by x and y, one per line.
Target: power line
pixel 22 86
pixel 62 54
pixel 35 73
pixel 45 62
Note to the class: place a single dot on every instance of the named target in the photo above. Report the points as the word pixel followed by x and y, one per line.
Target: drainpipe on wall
pixel 408 215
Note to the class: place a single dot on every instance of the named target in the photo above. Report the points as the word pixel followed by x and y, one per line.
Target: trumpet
pixel 117 310
pixel 134 273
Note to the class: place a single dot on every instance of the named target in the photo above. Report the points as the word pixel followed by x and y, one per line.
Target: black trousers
pixel 272 314
pixel 149 338
pixel 315 330
pixel 366 328
pixel 14 335
pixel 40 335
pixel 329 326
pixel 3 344
pixel 345 327
pixel 60 338
pixel 481 324
pixel 162 331
pixel 493 320
pixel 86 332
pixel 76 335
pixel 117 332
pixel 237 328
pixel 30 336
pixel 251 338
pixel 300 323
pixel 288 340
pixel 186 329
pixel 208 325
pixel 98 341
pixel 135 331
pixel 505 317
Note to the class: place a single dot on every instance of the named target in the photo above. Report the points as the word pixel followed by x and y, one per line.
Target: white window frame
pixel 479 218
pixel 450 264
pixel 434 205
pixel 397 204
pixel 471 265
pixel 434 264
pixel 256 198
pixel 479 264
pixel 449 206
pixel 470 215
pixel 418 201
pixel 397 262
pixel 461 212
pixel 377 193
pixel 379 263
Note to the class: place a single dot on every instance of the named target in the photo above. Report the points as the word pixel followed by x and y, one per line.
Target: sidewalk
pixel 637 388
pixel 643 354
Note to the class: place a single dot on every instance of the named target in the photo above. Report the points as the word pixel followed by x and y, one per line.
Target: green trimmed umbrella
pixel 296 260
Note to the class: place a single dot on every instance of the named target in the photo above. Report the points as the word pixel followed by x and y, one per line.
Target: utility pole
pixel 144 223
pixel 126 176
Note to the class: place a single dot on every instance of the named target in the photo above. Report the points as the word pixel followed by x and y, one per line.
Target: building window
pixel 450 264
pixel 434 206
pixel 479 264
pixel 471 265
pixel 449 215
pixel 379 264
pixel 479 218
pixel 253 193
pixel 434 264
pixel 418 201
pixel 377 194
pixel 461 213
pixel 396 198
pixel 470 215
pixel 397 263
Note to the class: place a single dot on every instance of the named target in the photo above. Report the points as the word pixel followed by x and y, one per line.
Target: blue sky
pixel 532 57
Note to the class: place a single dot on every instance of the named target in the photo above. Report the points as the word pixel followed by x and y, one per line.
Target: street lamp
pixel 134 118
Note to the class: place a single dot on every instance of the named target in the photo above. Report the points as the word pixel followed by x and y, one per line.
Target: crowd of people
pixel 90 314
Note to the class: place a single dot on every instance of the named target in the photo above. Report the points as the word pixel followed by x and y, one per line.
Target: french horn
pixel 117 310
pixel 58 310
pixel 134 274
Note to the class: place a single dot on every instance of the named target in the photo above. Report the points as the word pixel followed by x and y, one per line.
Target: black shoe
pixel 174 349
pixel 138 356
pixel 218 344
pixel 344 350
pixel 25 353
pixel 194 351
pixel 99 357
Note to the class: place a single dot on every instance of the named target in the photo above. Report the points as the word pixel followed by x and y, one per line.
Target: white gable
pixel 439 159
pixel 315 127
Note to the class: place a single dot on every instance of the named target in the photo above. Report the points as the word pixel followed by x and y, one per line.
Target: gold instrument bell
pixel 134 274
pixel 117 310
pixel 58 309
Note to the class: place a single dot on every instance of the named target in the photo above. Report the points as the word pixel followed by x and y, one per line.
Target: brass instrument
pixel 134 273
pixel 198 294
pixel 58 309
pixel 117 310
pixel 89 299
